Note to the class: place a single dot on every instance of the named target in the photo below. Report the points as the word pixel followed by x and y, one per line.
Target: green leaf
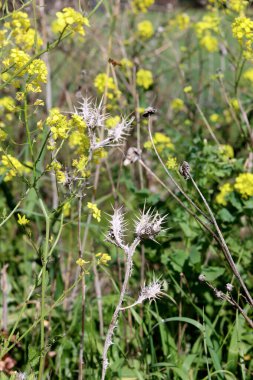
pixel 178 259
pixel 226 216
pixel 211 273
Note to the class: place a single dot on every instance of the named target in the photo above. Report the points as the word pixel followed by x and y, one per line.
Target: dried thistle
pixel 184 170
pixel 133 155
pixel 148 224
pixel 93 115
pixel 117 228
pixel 151 292
pixel 149 112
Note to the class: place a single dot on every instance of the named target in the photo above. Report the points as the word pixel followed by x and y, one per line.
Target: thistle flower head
pixel 93 115
pixel 120 131
pixel 117 228
pixel 151 291
pixel 148 224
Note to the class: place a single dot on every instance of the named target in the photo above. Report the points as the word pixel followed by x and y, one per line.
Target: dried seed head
pixel 149 112
pixel 229 287
pixel 184 170
pixel 151 291
pixel 148 225
pixel 133 155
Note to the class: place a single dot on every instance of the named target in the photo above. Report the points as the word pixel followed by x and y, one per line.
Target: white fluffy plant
pixel 147 226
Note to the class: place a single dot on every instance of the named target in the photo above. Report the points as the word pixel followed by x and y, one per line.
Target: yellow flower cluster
pixel 141 5
pixel 36 72
pixel 80 164
pixel 70 20
pixel 58 124
pixel 205 29
pixel 78 138
pixel 11 167
pixel 226 151
pixel 24 36
pixel 161 142
pixel 144 78
pixel 238 6
pixel 244 184
pixel 177 104
pixel 145 29
pixel 59 173
pixel 209 42
pixel 242 29
pixel 103 82
pixel 248 74
pixel 103 258
pixel 7 107
pixel 172 163
pixel 3 40
pixel 224 191
pixel 96 213
pixel 112 121
pixel 181 21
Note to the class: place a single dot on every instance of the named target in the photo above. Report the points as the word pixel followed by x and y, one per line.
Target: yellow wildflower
pixel 248 74
pixel 172 163
pixel 126 63
pixel 244 184
pixel 11 167
pixel 145 29
pixel 187 89
pixel 58 124
pixel 22 220
pixel 141 5
pixel 161 142
pixel 181 21
pixel 237 5
pixel 177 104
pixel 70 20
pixel 224 191
pixel 235 104
pixel 210 22
pixel 144 78
pixel 39 102
pixel 103 82
pixel 112 121
pixel 7 104
pixel 96 213
pixel 80 164
pixel 226 151
pixel 57 167
pixel 214 118
pixel 66 208
pixel 210 43
pixel 103 258
pixel 81 263
pixel 3 40
pixel 242 28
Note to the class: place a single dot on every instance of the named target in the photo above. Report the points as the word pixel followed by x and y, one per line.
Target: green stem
pixel 43 291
